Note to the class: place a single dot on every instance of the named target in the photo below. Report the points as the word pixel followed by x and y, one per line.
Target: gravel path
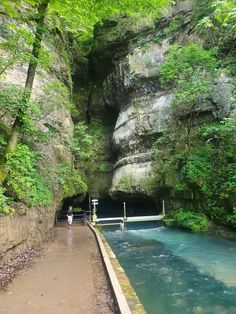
pixel 68 278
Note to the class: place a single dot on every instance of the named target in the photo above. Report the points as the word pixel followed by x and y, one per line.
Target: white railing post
pixel 94 202
pixel 125 211
pixel 163 209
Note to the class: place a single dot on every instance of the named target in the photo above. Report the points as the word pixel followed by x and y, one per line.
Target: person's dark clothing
pixel 69 212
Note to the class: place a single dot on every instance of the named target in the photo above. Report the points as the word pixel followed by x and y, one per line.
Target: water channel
pixel 176 272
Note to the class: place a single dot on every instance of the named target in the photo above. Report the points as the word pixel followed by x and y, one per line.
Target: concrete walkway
pixel 68 278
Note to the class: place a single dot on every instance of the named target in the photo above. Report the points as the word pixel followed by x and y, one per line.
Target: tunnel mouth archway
pixel 75 202
pixel 108 207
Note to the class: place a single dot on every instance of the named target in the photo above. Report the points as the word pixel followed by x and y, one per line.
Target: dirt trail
pixel 68 278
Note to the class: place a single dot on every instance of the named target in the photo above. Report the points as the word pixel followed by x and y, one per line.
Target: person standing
pixel 70 216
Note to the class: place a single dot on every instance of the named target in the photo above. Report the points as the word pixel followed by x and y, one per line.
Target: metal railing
pixel 83 217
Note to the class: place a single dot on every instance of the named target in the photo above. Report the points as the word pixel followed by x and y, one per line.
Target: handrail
pixel 132 218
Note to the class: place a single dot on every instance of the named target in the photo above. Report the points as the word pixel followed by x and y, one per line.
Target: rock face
pixel 120 85
pixel 131 85
pixel 17 232
pixel 142 119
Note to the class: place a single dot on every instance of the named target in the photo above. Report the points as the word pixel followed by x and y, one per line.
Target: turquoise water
pixel 176 272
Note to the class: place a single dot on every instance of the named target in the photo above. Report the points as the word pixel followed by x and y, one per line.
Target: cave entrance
pixel 108 207
pixel 75 202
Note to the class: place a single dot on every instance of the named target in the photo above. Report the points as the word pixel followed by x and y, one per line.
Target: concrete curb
pixel 118 293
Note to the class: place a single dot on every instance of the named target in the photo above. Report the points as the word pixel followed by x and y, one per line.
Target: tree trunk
pixel 19 121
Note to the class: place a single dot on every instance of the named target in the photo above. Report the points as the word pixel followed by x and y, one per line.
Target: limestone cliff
pixel 125 63
pixel 56 128
pixel 120 103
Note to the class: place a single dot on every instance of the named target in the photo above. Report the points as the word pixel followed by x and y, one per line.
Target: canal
pixel 176 272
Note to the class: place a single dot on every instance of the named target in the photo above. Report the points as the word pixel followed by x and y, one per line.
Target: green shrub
pixel 184 62
pixel 102 167
pixel 89 146
pixel 70 180
pixel 82 142
pixel 24 180
pixel 192 221
pixel 77 210
pixel 169 222
pixel 10 98
pixel 232 218
pixel 4 203
pixel 194 155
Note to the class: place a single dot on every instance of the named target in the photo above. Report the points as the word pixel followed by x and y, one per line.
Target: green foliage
pixel 208 170
pixel 126 183
pixel 3 199
pixel 77 210
pixel 190 69
pixel 201 8
pixel 183 62
pixel 55 95
pixel 11 8
pixel 2 141
pixel 98 133
pixel 218 27
pixel 221 134
pixel 88 144
pixel 17 44
pixel 70 180
pixel 190 93
pixel 74 111
pixel 175 24
pixel 82 142
pixel 24 180
pixel 10 99
pixel 11 96
pixel 4 203
pixel 80 17
pixel 197 167
pixel 194 222
pixel 216 212
pixel 232 218
pixel 102 167
pixel 220 23
pixel 222 138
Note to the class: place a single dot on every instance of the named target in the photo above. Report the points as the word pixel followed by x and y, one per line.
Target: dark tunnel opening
pixel 108 207
pixel 75 202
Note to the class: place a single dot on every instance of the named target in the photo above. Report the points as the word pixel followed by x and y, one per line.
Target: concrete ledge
pixel 132 299
pixel 118 293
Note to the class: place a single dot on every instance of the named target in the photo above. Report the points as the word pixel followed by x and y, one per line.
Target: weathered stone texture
pixel 19 231
pixel 132 86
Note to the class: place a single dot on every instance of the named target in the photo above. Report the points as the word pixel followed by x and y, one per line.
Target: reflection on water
pixel 175 272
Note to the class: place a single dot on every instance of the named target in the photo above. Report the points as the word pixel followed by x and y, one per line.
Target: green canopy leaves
pixel 80 17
